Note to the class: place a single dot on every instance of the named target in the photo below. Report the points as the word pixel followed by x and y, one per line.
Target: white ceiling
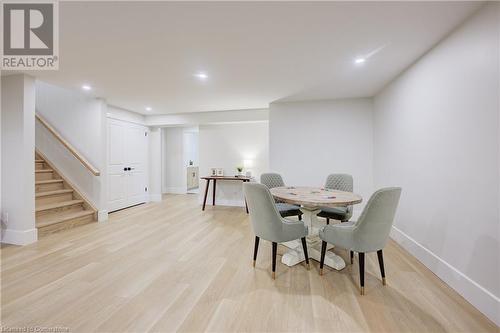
pixel 145 53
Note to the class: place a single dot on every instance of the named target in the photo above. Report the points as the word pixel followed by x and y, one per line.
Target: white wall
pixel 437 135
pixel 81 120
pixel 174 168
pixel 200 118
pixel 76 116
pixel 18 155
pixel 155 164
pixel 191 146
pixel 179 146
pixel 114 112
pixel 227 146
pixel 1 210
pixel 312 139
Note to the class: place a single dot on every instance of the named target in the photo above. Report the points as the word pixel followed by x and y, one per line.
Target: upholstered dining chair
pixel 368 234
pixel 340 182
pixel 268 224
pixel 272 180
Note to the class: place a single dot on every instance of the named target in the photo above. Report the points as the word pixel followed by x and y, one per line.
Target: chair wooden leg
pixel 327 220
pixel 255 249
pixel 304 247
pixel 275 250
pixel 300 217
pixel 322 259
pixel 352 256
pixel 361 259
pixel 381 264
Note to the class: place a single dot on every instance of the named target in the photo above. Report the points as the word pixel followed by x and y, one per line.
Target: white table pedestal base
pixel 295 253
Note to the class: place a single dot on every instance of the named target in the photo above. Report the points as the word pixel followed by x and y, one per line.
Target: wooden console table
pixel 215 179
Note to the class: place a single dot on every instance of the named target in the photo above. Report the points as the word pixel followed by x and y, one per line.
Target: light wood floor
pixel 170 267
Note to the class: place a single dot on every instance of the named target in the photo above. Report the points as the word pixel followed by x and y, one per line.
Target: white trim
pixel 102 215
pixel 19 237
pixel 115 117
pixel 155 197
pixel 477 295
pixel 175 190
pixel 237 122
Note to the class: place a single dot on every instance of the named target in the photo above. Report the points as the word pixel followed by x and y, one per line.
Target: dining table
pixel 311 200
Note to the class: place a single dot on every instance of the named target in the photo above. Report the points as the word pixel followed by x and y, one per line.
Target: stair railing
pixel 69 146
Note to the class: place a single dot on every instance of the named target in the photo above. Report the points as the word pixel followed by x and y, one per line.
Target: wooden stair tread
pixel 43 170
pixel 49 193
pixel 45 221
pixel 48 181
pixel 58 205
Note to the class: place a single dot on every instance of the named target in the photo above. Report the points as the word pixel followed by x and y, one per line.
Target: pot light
pixel 201 76
pixel 148 108
pixel 359 61
pixel 86 87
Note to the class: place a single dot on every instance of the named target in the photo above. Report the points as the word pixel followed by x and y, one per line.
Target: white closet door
pixel 137 149
pixel 117 186
pixel 127 164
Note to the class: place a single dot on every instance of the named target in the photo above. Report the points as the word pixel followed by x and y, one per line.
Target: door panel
pixel 136 188
pixel 116 192
pixel 115 140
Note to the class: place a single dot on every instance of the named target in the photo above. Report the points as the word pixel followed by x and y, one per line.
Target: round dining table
pixel 310 200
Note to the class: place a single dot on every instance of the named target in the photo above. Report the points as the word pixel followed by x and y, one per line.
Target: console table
pixel 215 179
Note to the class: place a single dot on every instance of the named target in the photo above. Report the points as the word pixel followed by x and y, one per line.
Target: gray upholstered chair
pixel 272 180
pixel 340 182
pixel 368 234
pixel 268 224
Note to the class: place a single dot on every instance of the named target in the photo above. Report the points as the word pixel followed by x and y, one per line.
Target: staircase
pixel 58 206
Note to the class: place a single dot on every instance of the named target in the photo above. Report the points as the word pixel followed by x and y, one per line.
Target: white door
pixel 127 164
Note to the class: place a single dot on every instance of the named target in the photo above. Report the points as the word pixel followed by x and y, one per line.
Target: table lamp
pixel 248 165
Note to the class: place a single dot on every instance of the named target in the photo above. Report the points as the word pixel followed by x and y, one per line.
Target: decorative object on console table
pixel 213 172
pixel 240 171
pixel 220 172
pixel 214 179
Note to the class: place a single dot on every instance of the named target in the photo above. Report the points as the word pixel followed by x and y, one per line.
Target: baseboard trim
pixel 175 190
pixel 19 237
pixel 155 197
pixel 474 293
pixel 102 215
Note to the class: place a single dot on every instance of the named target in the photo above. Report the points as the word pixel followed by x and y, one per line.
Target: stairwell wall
pixel 81 120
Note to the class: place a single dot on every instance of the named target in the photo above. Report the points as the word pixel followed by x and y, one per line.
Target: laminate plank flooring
pixel 168 266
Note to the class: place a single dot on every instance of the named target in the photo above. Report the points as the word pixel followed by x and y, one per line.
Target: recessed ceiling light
pixel 359 61
pixel 201 75
pixel 148 108
pixel 86 87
